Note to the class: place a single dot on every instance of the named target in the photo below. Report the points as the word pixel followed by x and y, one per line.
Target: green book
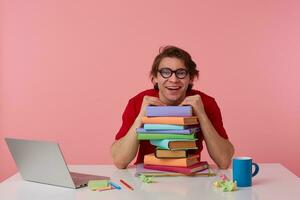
pixel 155 136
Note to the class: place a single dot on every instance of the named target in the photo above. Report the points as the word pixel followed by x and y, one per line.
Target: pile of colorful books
pixel 173 130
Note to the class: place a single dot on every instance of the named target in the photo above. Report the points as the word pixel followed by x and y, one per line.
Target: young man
pixel 173 72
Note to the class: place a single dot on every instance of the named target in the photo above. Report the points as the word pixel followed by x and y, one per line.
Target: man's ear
pixel 154 80
pixel 191 81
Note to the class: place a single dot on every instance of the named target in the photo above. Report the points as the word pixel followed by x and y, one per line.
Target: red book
pixel 183 170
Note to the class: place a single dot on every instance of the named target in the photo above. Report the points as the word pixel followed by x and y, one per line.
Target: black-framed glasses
pixel 179 73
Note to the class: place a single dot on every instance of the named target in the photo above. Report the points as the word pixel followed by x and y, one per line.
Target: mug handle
pixel 256 169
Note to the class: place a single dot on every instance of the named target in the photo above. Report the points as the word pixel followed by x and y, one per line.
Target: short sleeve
pixel 128 119
pixel 216 119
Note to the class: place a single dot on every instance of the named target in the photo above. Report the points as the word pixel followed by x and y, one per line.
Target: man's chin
pixel 174 100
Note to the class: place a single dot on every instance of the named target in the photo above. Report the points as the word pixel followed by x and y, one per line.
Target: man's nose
pixel 173 77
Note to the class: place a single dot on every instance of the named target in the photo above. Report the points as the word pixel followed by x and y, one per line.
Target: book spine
pixel 163 144
pixel 171 120
pixel 168 169
pixel 147 136
pixel 163 120
pixel 169 111
pixel 185 131
pixel 170 154
pixel 150 159
pixel 162 127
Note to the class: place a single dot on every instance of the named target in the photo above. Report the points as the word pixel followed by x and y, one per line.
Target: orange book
pixel 166 153
pixel 150 159
pixel 171 120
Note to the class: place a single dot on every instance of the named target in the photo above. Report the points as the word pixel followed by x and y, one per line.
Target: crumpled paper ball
pixel 225 184
pixel 146 179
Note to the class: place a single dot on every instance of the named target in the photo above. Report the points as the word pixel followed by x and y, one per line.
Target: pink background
pixel 68 68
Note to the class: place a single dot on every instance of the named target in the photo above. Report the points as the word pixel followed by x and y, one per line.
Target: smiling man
pixel 172 74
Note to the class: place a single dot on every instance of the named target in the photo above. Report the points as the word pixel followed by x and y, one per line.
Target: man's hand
pixel 196 102
pixel 147 101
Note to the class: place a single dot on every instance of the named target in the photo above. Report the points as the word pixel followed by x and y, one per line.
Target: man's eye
pixel 166 72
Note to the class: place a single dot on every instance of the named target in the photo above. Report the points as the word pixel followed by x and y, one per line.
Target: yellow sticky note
pixel 98 184
pixel 104 188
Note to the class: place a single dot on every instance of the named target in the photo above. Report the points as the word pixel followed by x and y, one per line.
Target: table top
pixel 272 182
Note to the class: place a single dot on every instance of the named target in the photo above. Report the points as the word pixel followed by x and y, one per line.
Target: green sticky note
pixel 98 184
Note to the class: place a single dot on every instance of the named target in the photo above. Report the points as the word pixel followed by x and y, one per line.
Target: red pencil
pixel 126 184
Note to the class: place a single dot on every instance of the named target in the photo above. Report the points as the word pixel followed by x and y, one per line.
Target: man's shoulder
pixel 140 96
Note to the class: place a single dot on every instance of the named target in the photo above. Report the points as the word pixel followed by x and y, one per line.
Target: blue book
pixel 175 144
pixel 164 127
pixel 149 136
pixel 169 111
pixel 185 131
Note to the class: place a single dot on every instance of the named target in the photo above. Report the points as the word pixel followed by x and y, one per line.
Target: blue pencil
pixel 115 185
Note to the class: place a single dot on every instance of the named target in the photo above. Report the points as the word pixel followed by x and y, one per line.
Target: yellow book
pixel 171 120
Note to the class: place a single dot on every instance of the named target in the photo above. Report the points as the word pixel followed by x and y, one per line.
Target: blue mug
pixel 242 171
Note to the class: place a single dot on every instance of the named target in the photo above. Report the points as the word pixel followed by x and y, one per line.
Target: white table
pixel 273 182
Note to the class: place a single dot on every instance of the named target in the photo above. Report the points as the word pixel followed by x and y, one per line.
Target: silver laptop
pixel 43 162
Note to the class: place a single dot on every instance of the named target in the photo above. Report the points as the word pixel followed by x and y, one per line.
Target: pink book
pixel 183 170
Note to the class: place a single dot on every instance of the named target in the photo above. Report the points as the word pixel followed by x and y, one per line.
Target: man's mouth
pixel 173 87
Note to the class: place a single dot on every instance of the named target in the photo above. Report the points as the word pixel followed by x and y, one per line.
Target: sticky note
pixel 98 184
pixel 104 188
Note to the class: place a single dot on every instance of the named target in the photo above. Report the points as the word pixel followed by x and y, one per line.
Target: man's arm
pixel 125 149
pixel 220 150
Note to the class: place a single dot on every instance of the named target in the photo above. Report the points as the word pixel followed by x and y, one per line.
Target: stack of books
pixel 173 130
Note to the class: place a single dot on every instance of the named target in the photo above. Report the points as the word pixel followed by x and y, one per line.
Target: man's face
pixel 172 89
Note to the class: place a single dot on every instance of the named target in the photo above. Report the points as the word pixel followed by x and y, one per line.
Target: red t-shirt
pixel 133 108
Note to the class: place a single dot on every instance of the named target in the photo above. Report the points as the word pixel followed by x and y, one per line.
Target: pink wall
pixel 67 69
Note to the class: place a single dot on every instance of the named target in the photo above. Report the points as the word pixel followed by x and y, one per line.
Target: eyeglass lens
pixel 167 73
